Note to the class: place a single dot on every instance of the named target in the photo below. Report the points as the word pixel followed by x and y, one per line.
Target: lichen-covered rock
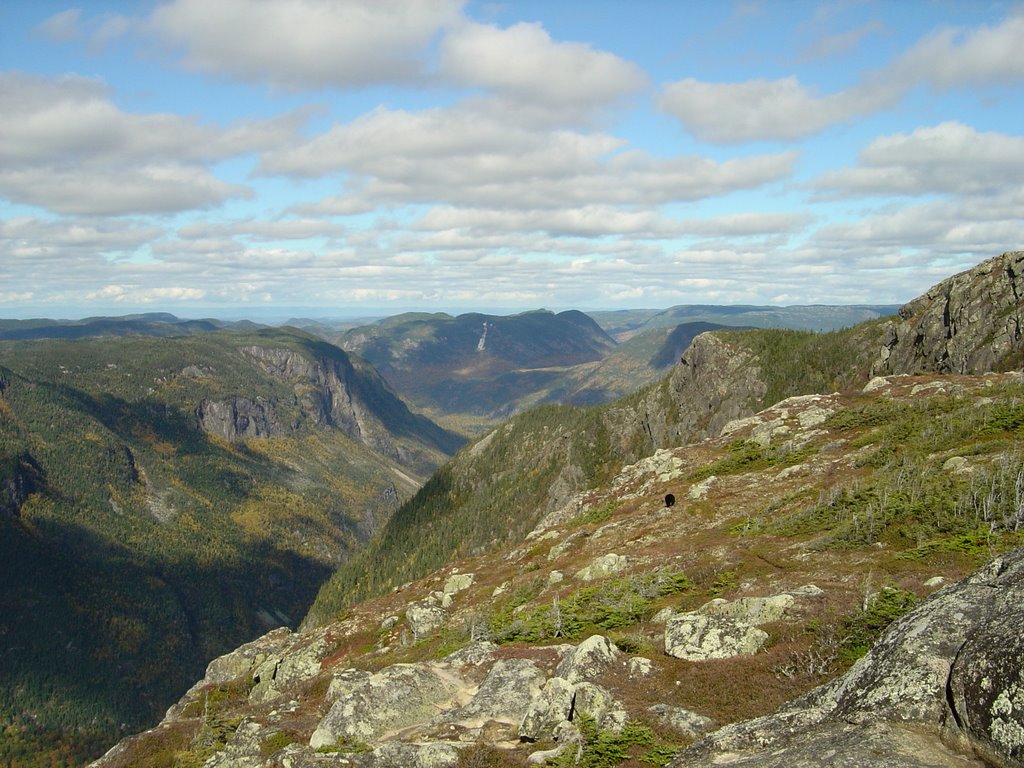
pixel 458 582
pixel 589 659
pixel 683 720
pixel 552 706
pixel 951 668
pixel 838 745
pixel 504 696
pixel 244 659
pixel 987 678
pixel 597 702
pixel 397 754
pixel 424 618
pixel 242 750
pixel 602 567
pixel 398 696
pixel 698 637
pixel 752 610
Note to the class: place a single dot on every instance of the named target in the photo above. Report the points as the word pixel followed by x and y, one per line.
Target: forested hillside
pixel 501 485
pixel 162 500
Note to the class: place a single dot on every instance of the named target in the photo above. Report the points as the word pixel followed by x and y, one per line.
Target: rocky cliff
pixel 328 391
pixel 974 321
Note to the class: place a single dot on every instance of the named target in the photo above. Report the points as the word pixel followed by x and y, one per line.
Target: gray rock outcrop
pixel 366 707
pixel 942 684
pixel 697 637
pixel 972 322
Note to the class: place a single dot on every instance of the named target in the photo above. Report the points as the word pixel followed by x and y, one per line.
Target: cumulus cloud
pixel 91 235
pixel 955 58
pixel 524 64
pixel 282 229
pixel 960 226
pixel 120 191
pixel 461 157
pixel 299 44
pixel 68 148
pixel 949 158
pixel 756 110
pixel 133 294
pixel 786 109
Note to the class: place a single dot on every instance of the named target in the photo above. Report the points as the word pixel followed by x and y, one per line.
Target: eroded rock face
pixel 238 418
pixel 971 323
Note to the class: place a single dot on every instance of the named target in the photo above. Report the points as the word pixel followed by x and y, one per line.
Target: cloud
pixel 300 44
pixel 117 192
pixel 935 229
pixel 600 221
pixel 69 149
pixel 460 157
pixel 949 158
pixel 760 110
pixel 282 229
pixel 522 63
pixel 62 27
pixel 957 58
pixel 36 235
pixel 131 294
pixel 785 109
pixel 841 43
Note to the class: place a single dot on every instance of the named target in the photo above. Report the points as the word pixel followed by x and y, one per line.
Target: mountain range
pixel 166 498
pixel 763 559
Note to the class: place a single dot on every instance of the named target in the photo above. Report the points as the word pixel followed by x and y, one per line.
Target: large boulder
pixel 504 695
pixel 942 684
pixel 698 637
pixel 752 610
pixel 550 708
pixel 589 659
pixel 369 706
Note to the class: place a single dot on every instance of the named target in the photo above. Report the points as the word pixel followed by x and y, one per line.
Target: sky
pixel 339 158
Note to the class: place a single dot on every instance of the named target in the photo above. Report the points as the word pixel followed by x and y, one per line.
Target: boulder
pixel 552 706
pixel 505 695
pixel 424 618
pixel 241 661
pixel 943 684
pixel 369 706
pixel 596 702
pixel 698 637
pixel 458 582
pixel 683 720
pixel 589 659
pixel 603 567
pixel 752 610
pixel 397 754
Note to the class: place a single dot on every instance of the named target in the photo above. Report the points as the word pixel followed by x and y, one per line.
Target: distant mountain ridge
pixel 622 324
pixel 476 363
pixel 147 324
